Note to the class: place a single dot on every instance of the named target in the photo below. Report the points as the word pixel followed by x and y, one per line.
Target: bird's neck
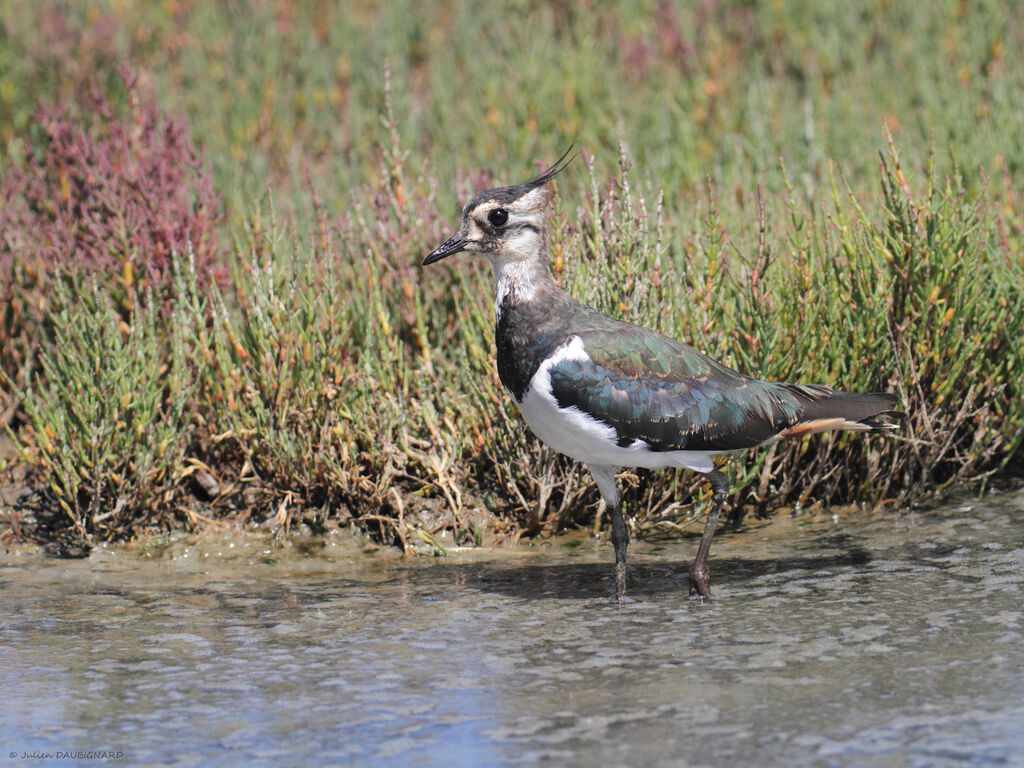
pixel 527 324
pixel 520 281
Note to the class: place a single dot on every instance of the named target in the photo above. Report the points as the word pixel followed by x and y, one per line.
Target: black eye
pixel 498 217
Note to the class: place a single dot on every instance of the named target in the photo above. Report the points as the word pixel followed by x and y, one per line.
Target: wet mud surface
pixel 893 640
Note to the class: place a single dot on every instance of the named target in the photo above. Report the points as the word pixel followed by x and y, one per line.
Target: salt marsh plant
pixel 106 413
pixel 310 371
pixel 331 382
pixel 107 195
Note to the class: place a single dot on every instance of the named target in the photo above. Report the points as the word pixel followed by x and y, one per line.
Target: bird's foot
pixel 620 583
pixel 700 588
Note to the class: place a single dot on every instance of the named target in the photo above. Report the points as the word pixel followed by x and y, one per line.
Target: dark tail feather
pixel 824 409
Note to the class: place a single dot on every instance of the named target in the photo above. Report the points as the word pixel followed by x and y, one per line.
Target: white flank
pixel 581 436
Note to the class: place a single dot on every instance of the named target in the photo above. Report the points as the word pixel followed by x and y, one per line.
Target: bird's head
pixel 505 224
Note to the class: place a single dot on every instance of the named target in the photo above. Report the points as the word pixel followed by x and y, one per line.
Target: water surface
pixel 894 640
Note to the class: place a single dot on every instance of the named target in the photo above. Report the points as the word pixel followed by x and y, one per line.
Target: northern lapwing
pixel 612 394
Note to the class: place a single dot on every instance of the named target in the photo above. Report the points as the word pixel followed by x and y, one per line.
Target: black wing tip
pixel 882 421
pixel 887 421
pixel 888 396
pixel 874 411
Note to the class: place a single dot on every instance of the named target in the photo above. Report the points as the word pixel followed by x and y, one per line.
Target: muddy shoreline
pixel 836 641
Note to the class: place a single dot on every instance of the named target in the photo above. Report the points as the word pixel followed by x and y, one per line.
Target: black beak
pixel 453 244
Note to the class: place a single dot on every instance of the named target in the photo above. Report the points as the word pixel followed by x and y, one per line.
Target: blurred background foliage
pixel 723 88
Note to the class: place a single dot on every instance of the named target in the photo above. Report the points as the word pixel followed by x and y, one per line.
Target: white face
pixel 506 223
pixel 506 232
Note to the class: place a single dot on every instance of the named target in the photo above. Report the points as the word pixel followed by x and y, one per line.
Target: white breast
pixel 581 436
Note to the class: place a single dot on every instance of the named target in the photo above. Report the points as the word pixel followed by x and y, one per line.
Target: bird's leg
pixel 620 540
pixel 700 572
pixel 605 477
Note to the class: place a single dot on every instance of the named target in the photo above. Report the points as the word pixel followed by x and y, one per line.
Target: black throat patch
pixel 525 335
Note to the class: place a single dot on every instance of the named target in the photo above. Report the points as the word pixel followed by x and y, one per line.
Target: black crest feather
pixel 560 165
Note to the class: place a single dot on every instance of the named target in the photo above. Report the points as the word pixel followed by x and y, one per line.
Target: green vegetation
pixel 730 193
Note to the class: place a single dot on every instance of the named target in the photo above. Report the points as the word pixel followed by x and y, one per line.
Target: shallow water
pixel 863 641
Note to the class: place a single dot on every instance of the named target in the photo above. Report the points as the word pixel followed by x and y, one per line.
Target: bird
pixel 612 394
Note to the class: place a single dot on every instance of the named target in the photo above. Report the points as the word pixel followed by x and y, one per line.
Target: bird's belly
pixel 581 436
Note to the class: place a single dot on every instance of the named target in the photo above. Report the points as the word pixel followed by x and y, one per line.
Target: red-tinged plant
pixel 104 195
